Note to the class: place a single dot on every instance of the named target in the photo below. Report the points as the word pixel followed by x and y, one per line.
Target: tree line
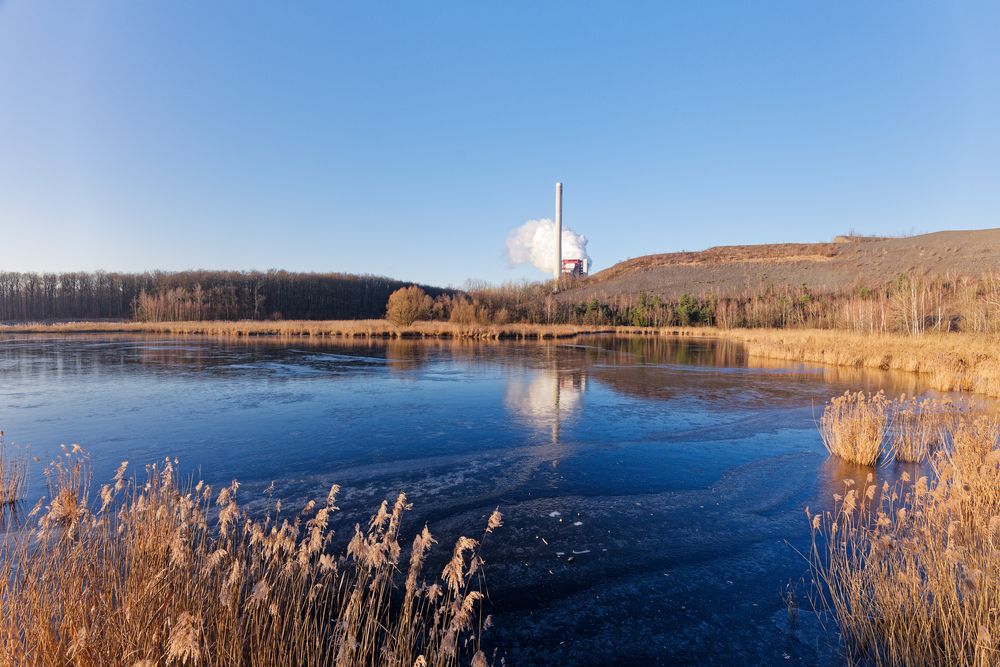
pixel 909 304
pixel 195 295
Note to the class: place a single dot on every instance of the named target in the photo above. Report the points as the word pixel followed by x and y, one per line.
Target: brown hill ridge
pixel 846 262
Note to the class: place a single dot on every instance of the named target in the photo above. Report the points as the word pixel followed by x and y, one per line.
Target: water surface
pixel 653 488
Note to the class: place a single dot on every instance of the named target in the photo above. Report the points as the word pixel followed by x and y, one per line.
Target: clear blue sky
pixel 409 138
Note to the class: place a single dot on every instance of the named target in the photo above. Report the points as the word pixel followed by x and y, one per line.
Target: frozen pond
pixel 652 488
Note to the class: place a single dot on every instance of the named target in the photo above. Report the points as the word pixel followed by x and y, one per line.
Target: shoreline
pixel 954 361
pixel 316 328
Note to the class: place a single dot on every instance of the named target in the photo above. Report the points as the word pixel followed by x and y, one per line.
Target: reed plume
pixel 853 426
pixel 13 472
pixel 910 570
pixel 159 572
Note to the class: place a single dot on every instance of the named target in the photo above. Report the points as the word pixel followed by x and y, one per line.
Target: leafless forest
pixel 194 295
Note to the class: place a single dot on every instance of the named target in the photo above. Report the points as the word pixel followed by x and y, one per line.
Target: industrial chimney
pixel 558 267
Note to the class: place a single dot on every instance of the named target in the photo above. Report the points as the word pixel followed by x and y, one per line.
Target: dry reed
pixel 853 426
pixel 158 573
pixel 317 328
pixel 919 426
pixel 948 361
pixel 13 471
pixel 864 428
pixel 910 571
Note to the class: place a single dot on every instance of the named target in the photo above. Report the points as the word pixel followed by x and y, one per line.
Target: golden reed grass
pixel 156 573
pixel 866 428
pixel 13 471
pixel 919 426
pixel 910 571
pixel 853 426
pixel 948 361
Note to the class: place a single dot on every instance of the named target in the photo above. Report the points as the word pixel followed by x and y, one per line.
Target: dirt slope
pixel 845 263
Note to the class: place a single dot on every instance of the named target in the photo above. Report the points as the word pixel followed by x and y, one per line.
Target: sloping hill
pixel 844 263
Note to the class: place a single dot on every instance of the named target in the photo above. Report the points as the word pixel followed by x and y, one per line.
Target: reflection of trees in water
pixel 858 379
pixel 656 367
pixel 406 355
pixel 682 351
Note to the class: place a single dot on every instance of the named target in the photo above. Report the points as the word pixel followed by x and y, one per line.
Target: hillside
pixel 843 263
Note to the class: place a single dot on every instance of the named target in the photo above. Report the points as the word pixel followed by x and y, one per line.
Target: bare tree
pixel 407 305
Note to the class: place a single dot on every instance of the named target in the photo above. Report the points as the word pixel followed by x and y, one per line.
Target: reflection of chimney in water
pixel 558 418
pixel 542 396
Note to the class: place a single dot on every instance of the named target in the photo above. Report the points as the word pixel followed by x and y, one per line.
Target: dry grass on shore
pixel 910 571
pixel 157 573
pixel 948 361
pixel 316 328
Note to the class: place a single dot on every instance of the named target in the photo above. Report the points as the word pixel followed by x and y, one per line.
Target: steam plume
pixel 535 242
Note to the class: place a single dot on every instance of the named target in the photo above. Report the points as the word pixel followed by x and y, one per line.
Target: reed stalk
pixel 910 570
pixel 162 573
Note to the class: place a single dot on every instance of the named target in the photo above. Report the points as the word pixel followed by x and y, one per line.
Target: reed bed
pixel 948 361
pixel 920 426
pixel 910 571
pixel 316 328
pixel 13 473
pixel 854 426
pixel 160 573
pixel 868 428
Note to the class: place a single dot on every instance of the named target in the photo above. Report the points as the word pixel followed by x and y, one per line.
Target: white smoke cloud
pixel 535 242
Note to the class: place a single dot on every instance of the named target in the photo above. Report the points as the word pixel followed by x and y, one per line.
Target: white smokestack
pixel 558 234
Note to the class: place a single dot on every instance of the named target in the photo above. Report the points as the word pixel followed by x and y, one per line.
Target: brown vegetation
pixel 160 573
pixel 864 429
pixel 194 295
pixel 317 329
pixel 854 425
pixel 407 305
pixel 948 362
pixel 13 469
pixel 910 571
pixel 920 425
pixel 846 266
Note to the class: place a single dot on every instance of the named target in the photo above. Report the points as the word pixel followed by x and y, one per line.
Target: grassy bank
pixel 317 328
pixel 157 571
pixel 948 361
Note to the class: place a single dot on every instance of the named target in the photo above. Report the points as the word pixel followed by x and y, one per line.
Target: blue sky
pixel 408 139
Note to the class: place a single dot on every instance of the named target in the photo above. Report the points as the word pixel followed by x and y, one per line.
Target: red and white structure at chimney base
pixel 574 267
